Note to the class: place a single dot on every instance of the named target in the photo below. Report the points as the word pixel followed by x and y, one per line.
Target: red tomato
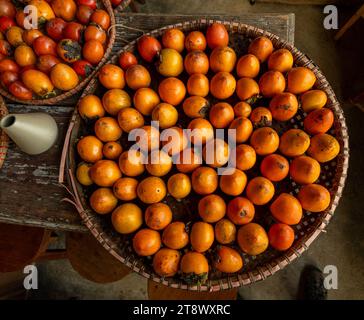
pixel 7 9
pixel 5 48
pixel 8 77
pixel 65 9
pixel 93 51
pixel 6 23
pixel 20 91
pixel 102 18
pixel 73 31
pixel 148 47
pixel 83 14
pixel 55 27
pixel 8 65
pixel 82 67
pixel 95 32
pixel 46 62
pixel 69 50
pixel 217 36
pixel 115 3
pixel 90 3
pixel 44 45
pixel 19 18
pixel 127 59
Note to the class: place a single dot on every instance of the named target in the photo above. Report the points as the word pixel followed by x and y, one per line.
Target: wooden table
pixel 29 189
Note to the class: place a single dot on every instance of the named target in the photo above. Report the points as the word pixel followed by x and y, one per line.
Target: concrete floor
pixel 342 245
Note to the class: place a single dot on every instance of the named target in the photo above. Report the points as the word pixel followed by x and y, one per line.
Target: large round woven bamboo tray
pixel 106 5
pixel 255 268
pixel 4 140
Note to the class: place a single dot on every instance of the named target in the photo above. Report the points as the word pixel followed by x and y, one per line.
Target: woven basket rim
pixel 4 139
pixel 122 6
pixel 65 95
pixel 269 268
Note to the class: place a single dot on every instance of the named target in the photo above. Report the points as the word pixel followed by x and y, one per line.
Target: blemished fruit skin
pixel 204 180
pixel 158 216
pixel 137 76
pixel 294 143
pixel 261 117
pixel 229 260
pixel 175 235
pixel 252 239
pixel 240 210
pixel 125 188
pixel 225 231
pixel 242 109
pixel 323 147
pixel 112 150
pixel 260 190
pixel 166 262
pixel 174 39
pixel 179 185
pixel 151 190
pixel 283 106
pixel 222 85
pixel 264 140
pixel 314 197
pixel 274 167
pixel 319 121
pixel 196 62
pixel 211 208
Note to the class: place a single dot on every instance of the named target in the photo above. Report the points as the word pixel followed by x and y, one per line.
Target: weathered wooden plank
pixel 29 190
pixel 279 24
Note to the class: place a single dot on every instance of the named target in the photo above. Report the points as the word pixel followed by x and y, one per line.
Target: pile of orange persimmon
pixel 134 193
pixel 67 44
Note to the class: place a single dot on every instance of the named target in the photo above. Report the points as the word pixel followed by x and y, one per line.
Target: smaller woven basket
pixel 4 140
pixel 256 268
pixel 65 95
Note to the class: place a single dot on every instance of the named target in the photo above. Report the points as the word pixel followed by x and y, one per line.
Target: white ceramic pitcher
pixel 34 133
